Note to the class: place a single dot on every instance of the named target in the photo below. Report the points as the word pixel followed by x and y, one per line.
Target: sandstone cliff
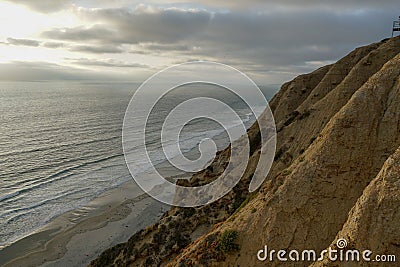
pixel 336 129
pixel 374 222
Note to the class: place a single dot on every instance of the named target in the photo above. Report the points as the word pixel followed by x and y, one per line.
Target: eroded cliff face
pixel 336 128
pixel 374 222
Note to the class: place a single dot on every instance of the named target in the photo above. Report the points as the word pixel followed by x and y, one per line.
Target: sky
pixel 120 40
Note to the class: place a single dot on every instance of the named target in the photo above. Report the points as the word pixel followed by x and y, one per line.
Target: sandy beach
pixel 78 236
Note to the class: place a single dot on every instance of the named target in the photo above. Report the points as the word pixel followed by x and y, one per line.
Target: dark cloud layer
pixel 48 6
pixel 136 26
pixel 300 4
pixel 270 40
pixel 261 36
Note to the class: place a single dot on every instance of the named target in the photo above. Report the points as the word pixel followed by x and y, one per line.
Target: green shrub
pixel 278 154
pixel 188 212
pixel 238 202
pixel 226 242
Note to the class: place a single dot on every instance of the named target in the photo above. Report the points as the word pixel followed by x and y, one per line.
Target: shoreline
pixel 76 237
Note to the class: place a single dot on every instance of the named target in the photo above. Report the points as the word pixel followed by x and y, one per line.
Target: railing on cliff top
pixel 396 26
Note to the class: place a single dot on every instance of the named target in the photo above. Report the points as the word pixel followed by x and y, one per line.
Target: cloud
pixel 291 4
pixel 54 45
pixel 23 42
pixel 314 31
pixel 44 6
pixel 97 49
pixel 166 47
pixel 79 34
pixel 40 71
pixel 256 35
pixel 44 71
pixel 106 63
pixel 284 39
pixel 141 25
pixel 91 48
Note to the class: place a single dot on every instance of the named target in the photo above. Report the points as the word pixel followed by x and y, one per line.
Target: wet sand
pixel 79 236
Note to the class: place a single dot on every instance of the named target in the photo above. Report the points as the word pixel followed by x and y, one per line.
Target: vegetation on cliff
pixel 335 174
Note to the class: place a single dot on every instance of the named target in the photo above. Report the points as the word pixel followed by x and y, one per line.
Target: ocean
pixel 60 145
